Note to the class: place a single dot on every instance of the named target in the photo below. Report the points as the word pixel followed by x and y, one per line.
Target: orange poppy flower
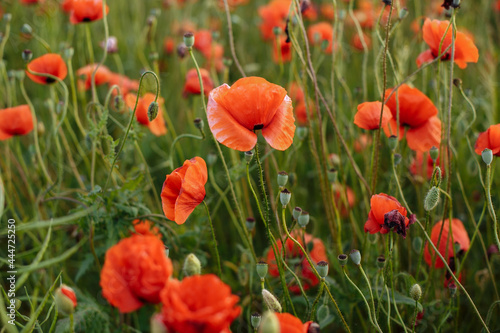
pixel 299 100
pixel 417 112
pixel 102 76
pixel 15 121
pixel 367 15
pixel 146 228
pixel 320 32
pixel 368 115
pixel 157 126
pixel 285 49
pixel 293 254
pixel 67 5
pixel 344 198
pixel 169 45
pixel 199 304
pixel 192 85
pixel 49 63
pixel 446 245
pixel 203 41
pixel 489 139
pixel 433 32
pixel 358 44
pixel 309 11
pixel 135 271
pixel 83 11
pixel 126 85
pixel 274 14
pixel 386 213
pixel 291 324
pixel 235 113
pixel 184 189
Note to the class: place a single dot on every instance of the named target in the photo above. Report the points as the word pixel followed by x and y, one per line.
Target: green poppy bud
pixel 192 265
pixel 355 257
pixel 271 301
pixel 487 156
pixel 282 178
pixel 153 110
pixel 431 199
pixel 415 292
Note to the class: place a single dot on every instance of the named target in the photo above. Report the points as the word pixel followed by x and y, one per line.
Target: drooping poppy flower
pixel 135 271
pixel 386 213
pixel 362 142
pixel 146 228
pixel 192 85
pixel 284 53
pixel 15 121
pixel 102 76
pixel 446 244
pixel 291 324
pixel 235 113
pixel 489 139
pixel 199 304
pixel 319 33
pixel 358 44
pixel 84 11
pixel 126 85
pixel 433 32
pixel 344 198
pixel 299 100
pixel 297 261
pixel 157 126
pixel 184 189
pixel 274 14
pixel 417 112
pixel 368 115
pixel 49 63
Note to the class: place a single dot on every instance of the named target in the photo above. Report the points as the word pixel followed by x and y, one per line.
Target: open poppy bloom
pixel 417 112
pixel 489 139
pixel 146 228
pixel 299 100
pixel 135 271
pixel 49 63
pixel 126 85
pixel 368 115
pixel 15 121
pixel 274 14
pixel 157 126
pixel 198 304
pixel 284 48
pixel 102 76
pixel 184 189
pixel 297 261
pixel 387 213
pixel 291 324
pixel 67 5
pixel 433 32
pixel 357 43
pixel 83 11
pixel 446 244
pixel 203 41
pixel 192 85
pixel 235 113
pixel 320 32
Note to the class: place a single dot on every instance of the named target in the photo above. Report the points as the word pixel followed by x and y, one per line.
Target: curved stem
pixel 491 209
pixel 231 39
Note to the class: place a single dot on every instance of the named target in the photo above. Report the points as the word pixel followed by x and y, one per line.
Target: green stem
pixel 371 295
pixel 491 209
pixel 214 239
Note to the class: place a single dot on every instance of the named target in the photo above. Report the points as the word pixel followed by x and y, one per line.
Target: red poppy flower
pixel 291 324
pixel 299 100
pixel 102 76
pixel 67 5
pixel 192 85
pixel 489 139
pixel 386 210
pixel 235 113
pixel 135 271
pixel 309 11
pixel 433 32
pixel 417 112
pixel 203 41
pixel 274 14
pixel 320 32
pixel 126 85
pixel 295 255
pixel 199 304
pixel 368 115
pixel 367 15
pixel 15 121
pixel 146 228
pixel 446 245
pixel 358 44
pixel 49 63
pixel 169 45
pixel 328 11
pixel 184 189
pixel 496 5
pixel 285 49
pixel 344 198
pixel 157 126
pixel 83 11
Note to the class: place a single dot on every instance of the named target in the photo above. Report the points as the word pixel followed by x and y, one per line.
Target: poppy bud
pixel 431 199
pixel 392 142
pixel 285 197
pixel 198 123
pixel 7 17
pixel 119 102
pixel 313 328
pixel 271 301
pixel 303 219
pixel 110 45
pixel 381 261
pixel 415 292
pixel 255 319
pixel 262 268
pixel 322 268
pixel 27 29
pixel 276 31
pixel 297 211
pixel 27 55
pixel 41 128
pixel 250 223
pixel 332 175
pixel 453 288
pixel 189 40
pixel 153 111
pixel 155 12
pixel 397 159
pixel 342 14
pixel 457 82
pixel 434 153
pixel 403 13
pixel 65 300
pixel 342 259
pixel 487 156
pixel 192 265
pixel 211 159
pixel 282 178
pixel 270 323
pixel 301 132
pixel 157 325
pixel 69 52
pixel 355 257
pixel 248 156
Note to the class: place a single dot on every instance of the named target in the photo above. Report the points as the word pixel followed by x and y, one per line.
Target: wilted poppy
pixel 283 52
pixel 321 32
pixel 417 112
pixel 433 32
pixel 49 63
pixel 102 76
pixel 192 85
pixel 489 139
pixel 184 189
pixel 157 126
pixel 297 261
pixel 146 228
pixel 198 304
pixel 368 115
pixel 235 113
pixel 299 101
pixel 274 14
pixel 126 85
pixel 135 271
pixel 83 11
pixel 15 121
pixel 458 236
pixel 387 213
pixel 291 324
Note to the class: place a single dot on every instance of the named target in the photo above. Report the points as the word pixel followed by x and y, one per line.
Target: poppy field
pixel 207 166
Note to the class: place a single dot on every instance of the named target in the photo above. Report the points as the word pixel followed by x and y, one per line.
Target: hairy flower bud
pixel 271 301
pixel 431 199
pixel 192 265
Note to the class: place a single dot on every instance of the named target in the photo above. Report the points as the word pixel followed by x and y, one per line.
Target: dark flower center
pixel 258 127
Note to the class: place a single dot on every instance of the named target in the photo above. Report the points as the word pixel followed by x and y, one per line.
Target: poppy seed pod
pixel 271 301
pixel 285 197
pixel 313 328
pixel 381 261
pixel 282 178
pixel 303 219
pixel 270 323
pixel 392 142
pixel 415 292
pixel 27 55
pixel 297 211
pixel 250 223
pixel 333 175
pixel 487 156
pixel 153 110
pixel 397 159
pixel 277 31
pixel 192 265
pixel 189 40
pixel 322 268
pixel 431 199
pixel 453 288
pixel 7 17
pixel 255 319
pixel 248 156
pixel 211 159
pixel 342 259
pixel 355 257
pixel 65 300
pixel 262 268
pixel 198 123
pixel 167 251
pixel 434 153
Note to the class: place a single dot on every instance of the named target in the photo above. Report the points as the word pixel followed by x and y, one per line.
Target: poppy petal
pixel 169 194
pixel 424 137
pixel 193 190
pixel 424 57
pixel 368 115
pixel 279 133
